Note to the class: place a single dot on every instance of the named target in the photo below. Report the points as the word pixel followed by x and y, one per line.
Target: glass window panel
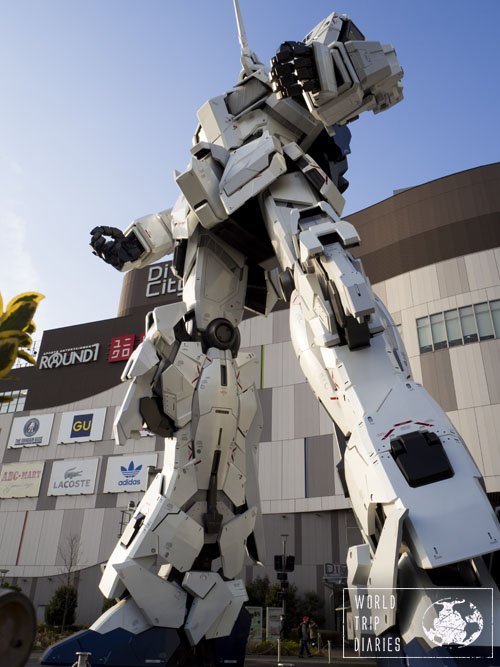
pixel 424 334
pixel 495 314
pixel 483 319
pixel 453 330
pixel 468 324
pixel 438 331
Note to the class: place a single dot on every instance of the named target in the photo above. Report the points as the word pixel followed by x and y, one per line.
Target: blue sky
pixel 99 101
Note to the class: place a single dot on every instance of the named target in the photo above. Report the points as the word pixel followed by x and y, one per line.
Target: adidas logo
pixel 130 473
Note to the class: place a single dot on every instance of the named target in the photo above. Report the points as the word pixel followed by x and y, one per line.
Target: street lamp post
pixel 283 588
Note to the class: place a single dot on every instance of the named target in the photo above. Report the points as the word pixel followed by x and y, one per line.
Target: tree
pixel 258 591
pixel 61 609
pixel 65 599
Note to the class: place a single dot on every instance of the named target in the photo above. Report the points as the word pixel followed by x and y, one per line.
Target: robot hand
pixel 117 251
pixel 293 70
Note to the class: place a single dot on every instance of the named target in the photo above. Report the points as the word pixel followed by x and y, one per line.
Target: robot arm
pixel 145 241
pixel 337 73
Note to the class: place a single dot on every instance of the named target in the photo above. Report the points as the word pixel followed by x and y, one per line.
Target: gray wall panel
pixel 71 525
pixel 306 412
pixel 45 502
pixel 109 534
pixel 452 277
pixel 320 467
pixel 316 538
pixel 12 455
pixel 266 401
pixel 437 378
pixel 90 600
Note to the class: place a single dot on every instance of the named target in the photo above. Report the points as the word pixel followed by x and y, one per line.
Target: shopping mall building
pixel 432 253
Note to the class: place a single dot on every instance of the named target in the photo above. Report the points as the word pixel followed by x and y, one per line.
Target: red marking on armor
pixel 423 424
pixel 238 380
pixel 334 398
pixel 388 434
pixel 402 423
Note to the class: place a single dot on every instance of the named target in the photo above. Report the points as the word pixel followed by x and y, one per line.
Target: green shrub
pixel 60 612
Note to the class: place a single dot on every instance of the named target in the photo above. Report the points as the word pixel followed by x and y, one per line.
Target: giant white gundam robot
pixel 258 221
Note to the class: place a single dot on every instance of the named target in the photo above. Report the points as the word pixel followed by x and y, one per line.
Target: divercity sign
pixel 69 356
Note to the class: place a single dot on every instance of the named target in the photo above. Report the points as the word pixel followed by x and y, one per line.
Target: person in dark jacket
pixel 304 637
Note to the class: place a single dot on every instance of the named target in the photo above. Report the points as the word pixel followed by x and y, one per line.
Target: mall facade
pixel 432 253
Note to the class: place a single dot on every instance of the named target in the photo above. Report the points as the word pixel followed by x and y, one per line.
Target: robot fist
pixel 117 251
pixel 294 71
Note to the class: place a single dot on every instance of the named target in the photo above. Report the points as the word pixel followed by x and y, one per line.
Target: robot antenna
pixel 249 60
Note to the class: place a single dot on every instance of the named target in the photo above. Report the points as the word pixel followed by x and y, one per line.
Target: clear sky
pixel 99 100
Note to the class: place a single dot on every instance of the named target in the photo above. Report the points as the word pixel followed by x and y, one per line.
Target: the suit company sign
pixel 69 356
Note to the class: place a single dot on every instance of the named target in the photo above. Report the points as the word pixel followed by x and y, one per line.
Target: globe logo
pixel 31 427
pixel 450 621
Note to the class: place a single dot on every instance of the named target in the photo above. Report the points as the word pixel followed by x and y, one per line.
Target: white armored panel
pixel 225 623
pixel 143 359
pixel 214 614
pixel 162 602
pixel 217 126
pixel 232 541
pixel 180 538
pixel 251 169
pixel 155 235
pixel 128 420
pixel 179 381
pixel 124 614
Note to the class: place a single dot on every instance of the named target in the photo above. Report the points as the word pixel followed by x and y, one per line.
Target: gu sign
pixel 82 426
pixel 31 431
pixel 73 477
pixel 69 356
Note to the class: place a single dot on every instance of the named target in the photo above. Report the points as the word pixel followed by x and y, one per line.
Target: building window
pixel 15 400
pixel 459 326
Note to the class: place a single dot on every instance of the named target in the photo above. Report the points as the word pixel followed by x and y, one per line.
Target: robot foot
pixel 166 647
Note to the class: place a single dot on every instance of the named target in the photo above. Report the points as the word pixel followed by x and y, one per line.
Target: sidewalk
pixel 272 661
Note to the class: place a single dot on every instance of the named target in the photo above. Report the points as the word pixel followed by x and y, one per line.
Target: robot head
pixel 335 28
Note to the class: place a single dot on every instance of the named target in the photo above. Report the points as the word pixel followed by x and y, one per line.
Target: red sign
pixel 121 348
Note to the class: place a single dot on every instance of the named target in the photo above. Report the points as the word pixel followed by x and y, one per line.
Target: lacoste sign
pixel 73 477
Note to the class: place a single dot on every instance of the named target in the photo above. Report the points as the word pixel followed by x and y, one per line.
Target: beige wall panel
pixel 468 376
pixel 90 537
pixel 273 365
pixel 11 528
pixel 416 369
pixel 244 328
pixel 452 277
pixel 5 425
pixel 493 293
pixel 482 269
pixel 442 304
pixel 49 538
pixel 305 578
pixel 381 291
pixel 409 328
pixel 465 423
pixel 109 533
pixel 424 285
pixel 292 372
pixel 293 469
pixel 399 294
pixel 488 424
pixel 490 351
pixel 282 506
pixel 477 296
pixel 31 538
pixel 118 393
pixel 283 411
pixel 261 330
pixel 101 400
pixel 325 423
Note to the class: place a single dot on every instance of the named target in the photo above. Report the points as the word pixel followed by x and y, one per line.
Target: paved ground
pixel 271 661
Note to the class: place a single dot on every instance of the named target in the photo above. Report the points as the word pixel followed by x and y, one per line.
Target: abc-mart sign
pixel 69 356
pixel 31 431
pixel 21 480
pixel 73 477
pixel 128 473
